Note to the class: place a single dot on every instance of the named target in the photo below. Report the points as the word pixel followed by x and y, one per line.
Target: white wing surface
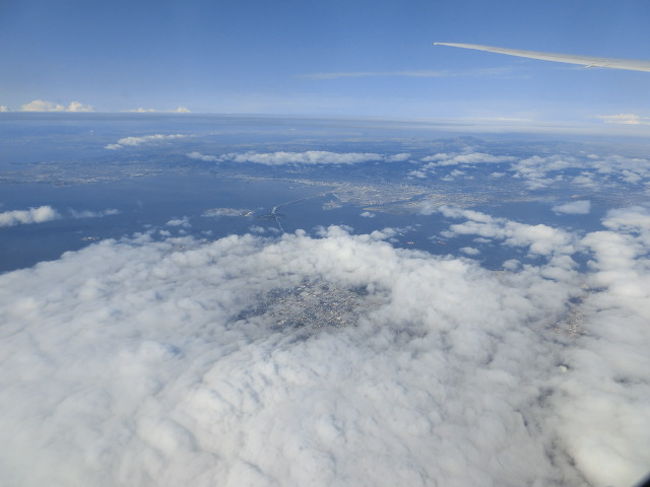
pixel 588 61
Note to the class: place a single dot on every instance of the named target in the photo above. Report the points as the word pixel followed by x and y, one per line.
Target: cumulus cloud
pixel 417 174
pixel 307 157
pixel 539 239
pixel 32 215
pixel 579 207
pixel 340 359
pixel 4 108
pixel 609 369
pixel 403 156
pixel 453 175
pixel 535 170
pixel 543 171
pixel 470 251
pixel 179 222
pixel 47 213
pixel 48 106
pixel 76 106
pixel 144 139
pixel 538 172
pixel 467 158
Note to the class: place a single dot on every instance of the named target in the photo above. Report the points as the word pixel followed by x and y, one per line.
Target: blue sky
pixel 278 57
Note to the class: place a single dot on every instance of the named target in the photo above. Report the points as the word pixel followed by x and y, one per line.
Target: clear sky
pixel 331 58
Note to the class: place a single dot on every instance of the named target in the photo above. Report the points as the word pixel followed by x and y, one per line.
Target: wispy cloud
pixel 142 110
pixel 421 73
pixel 93 214
pixel 580 207
pixel 625 119
pixel 179 109
pixel 48 106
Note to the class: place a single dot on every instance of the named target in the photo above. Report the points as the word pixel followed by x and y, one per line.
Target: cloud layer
pixel 307 157
pixel 312 361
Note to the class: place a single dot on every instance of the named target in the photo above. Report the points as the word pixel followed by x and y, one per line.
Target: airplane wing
pixel 587 61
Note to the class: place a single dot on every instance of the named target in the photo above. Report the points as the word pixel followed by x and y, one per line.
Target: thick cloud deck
pixel 301 361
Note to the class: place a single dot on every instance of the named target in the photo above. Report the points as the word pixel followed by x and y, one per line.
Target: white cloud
pixel 313 361
pixel 143 110
pixel 579 207
pixel 32 215
pixel 625 119
pixel 367 214
pixel 417 174
pixel 179 109
pixel 202 157
pixel 257 229
pixel 535 169
pixel 48 106
pixel 179 222
pixel 233 212
pixel 609 369
pixel 145 139
pixel 76 106
pixel 453 175
pixel 469 158
pixel 307 157
pixel 538 172
pixel 543 171
pixel 93 214
pixel 4 108
pixel 404 156
pixel 539 239
pixel 470 251
pixel 47 213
